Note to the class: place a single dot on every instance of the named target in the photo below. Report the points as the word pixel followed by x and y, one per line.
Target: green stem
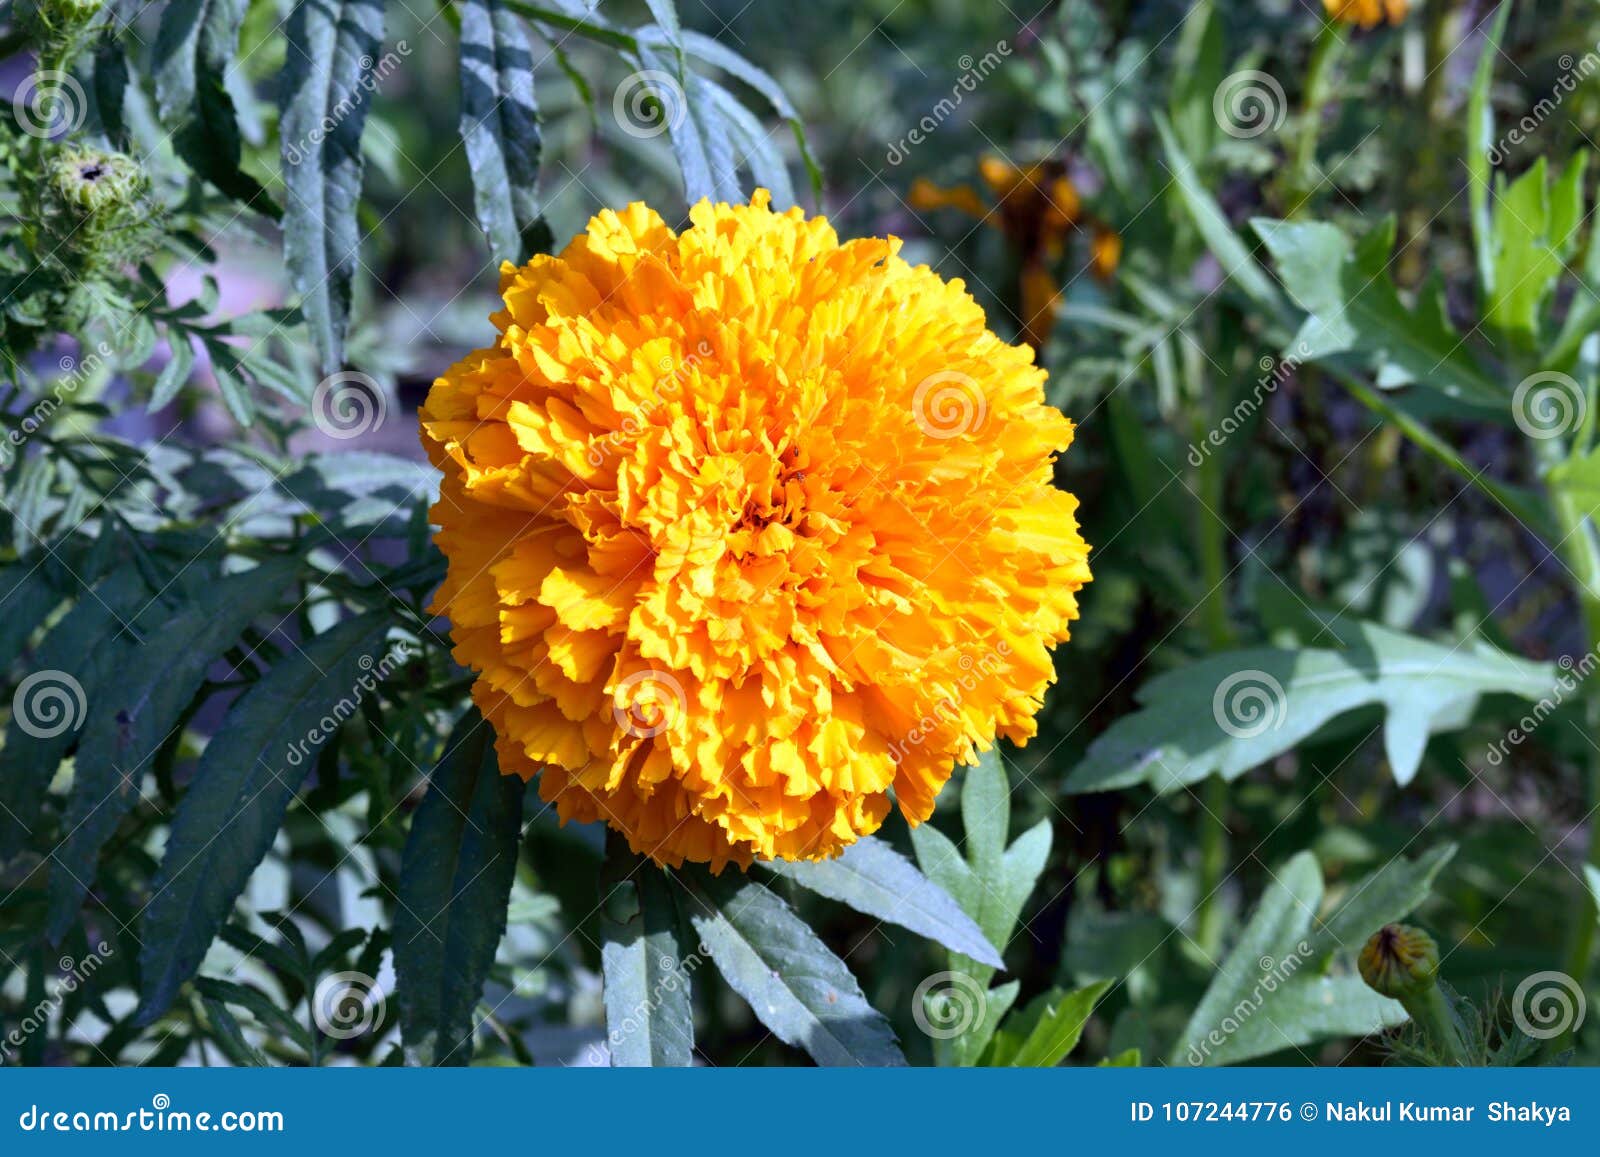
pixel 1580 550
pixel 1325 55
pixel 1430 1013
pixel 584 28
pixel 1212 549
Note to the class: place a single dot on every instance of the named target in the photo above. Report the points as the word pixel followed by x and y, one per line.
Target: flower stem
pixel 1212 549
pixel 1325 54
pixel 1580 550
pixel 1431 1013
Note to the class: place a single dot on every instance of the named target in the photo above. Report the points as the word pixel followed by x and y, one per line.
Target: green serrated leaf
pixel 1345 288
pixel 500 125
pixel 327 86
pixel 196 43
pixel 225 824
pixel 875 879
pixel 80 658
pixel 1233 711
pixel 230 1038
pixel 455 883
pixel 138 715
pixel 795 985
pixel 175 374
pixel 754 144
pixel 647 967
pixel 718 55
pixel 697 130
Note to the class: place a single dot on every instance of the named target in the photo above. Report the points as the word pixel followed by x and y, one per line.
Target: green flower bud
pixel 57 27
pixel 87 182
pixel 1400 961
pixel 73 13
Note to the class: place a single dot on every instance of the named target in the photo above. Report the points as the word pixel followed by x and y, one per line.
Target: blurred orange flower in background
pixel 1038 209
pixel 1367 13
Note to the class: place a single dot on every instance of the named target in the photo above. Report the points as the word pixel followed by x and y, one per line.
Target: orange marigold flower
pixel 1367 13
pixel 747 528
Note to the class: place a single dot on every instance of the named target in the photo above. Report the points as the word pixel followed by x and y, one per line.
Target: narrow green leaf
pixel 175 374
pixel 230 1038
pixel 875 879
pixel 27 594
pixel 327 86
pixel 1230 250
pixel 649 1014
pixel 965 1049
pixel 665 13
pixel 455 883
pixel 81 655
pixel 257 1004
pixel 242 788
pixel 1197 70
pixel 139 713
pixel 1042 1034
pixel 1482 152
pixel 196 43
pixel 718 55
pixel 754 144
pixel 500 126
pixel 796 986
pixel 698 131
pixel 1390 893
pixel 993 883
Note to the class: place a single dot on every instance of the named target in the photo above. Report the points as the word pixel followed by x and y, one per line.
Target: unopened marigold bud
pixel 1400 961
pixel 91 182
